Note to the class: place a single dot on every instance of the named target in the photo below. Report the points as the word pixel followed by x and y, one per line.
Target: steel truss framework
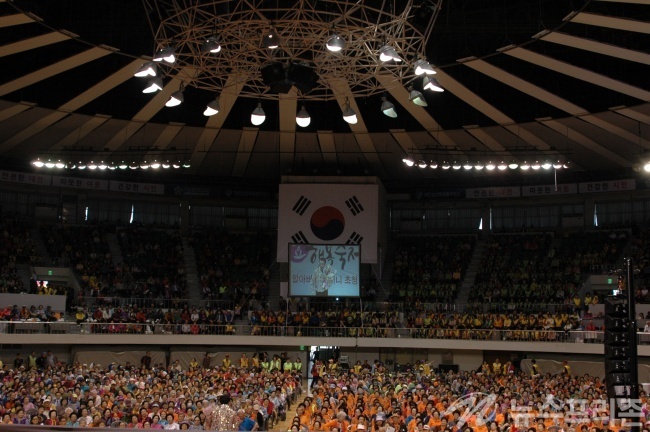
pixel 303 27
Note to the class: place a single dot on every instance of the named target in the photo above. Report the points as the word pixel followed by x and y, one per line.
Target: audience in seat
pixel 234 266
pixel 16 247
pixel 154 265
pixel 430 269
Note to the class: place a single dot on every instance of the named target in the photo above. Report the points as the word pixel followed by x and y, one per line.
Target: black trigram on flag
pixel 299 237
pixel 301 205
pixel 354 238
pixel 354 205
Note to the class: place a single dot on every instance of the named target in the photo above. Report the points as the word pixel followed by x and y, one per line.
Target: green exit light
pixel 302 347
pixel 49 272
pixel 610 281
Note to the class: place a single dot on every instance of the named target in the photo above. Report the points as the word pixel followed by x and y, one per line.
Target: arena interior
pixel 325 216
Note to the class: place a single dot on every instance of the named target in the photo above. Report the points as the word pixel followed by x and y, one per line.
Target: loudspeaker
pixel 617 347
pixel 303 77
pixel 274 76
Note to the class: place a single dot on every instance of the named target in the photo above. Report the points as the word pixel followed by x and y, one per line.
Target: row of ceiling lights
pixel 102 166
pixel 489 166
pixel 334 44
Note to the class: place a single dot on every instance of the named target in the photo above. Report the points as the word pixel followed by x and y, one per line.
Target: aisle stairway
pixel 114 248
pixel 39 244
pixel 386 282
pixel 191 271
pixel 470 274
pixel 273 296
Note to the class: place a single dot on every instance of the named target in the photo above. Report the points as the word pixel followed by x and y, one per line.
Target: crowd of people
pixel 255 394
pixel 146 396
pixel 430 268
pixel 16 247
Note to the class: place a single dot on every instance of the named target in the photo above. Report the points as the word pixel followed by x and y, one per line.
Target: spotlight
pixel 144 165
pixel 547 165
pixel 456 165
pixel 408 161
pixel 155 164
pixel 430 83
pixel 147 69
pixel 646 167
pixel 417 98
pixel 490 166
pixel 270 40
pixel 468 166
pixel 112 166
pixel 536 165
pixel 49 164
pixel 167 54
pixel 38 163
pixel 258 115
pixel 71 165
pixel 524 166
pixel 348 114
pixel 102 166
pixel 513 165
pixel 153 85
pixel 166 164
pixel 58 164
pixel 445 165
pixel 122 165
pixel 211 45
pixel 175 99
pixel 92 166
pixel 212 108
pixel 134 165
pixel 302 118
pixel 186 164
pixel 388 108
pixel 422 164
pixel 335 43
pixel 557 164
pixel 479 166
pixel 433 164
pixel 422 67
pixel 388 53
pixel 502 166
pixel 81 165
pixel 176 165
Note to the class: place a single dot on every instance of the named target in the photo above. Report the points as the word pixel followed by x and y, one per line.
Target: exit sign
pixel 49 272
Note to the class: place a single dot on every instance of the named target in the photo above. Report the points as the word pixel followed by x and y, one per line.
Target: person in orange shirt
pixel 339 423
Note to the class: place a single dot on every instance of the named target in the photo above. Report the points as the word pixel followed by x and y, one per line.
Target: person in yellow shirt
pixel 243 361
pixel 496 367
pixel 226 363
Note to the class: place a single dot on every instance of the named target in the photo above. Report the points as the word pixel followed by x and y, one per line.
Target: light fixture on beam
pixel 349 115
pixel 258 115
pixel 388 53
pixel 335 43
pixel 147 69
pixel 302 118
pixel 176 98
pixel 271 40
pixel 38 163
pixel 153 85
pixel 408 161
pixel 430 83
pixel 167 54
pixel 417 97
pixel 212 108
pixel 423 67
pixel 388 108
pixel 211 45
